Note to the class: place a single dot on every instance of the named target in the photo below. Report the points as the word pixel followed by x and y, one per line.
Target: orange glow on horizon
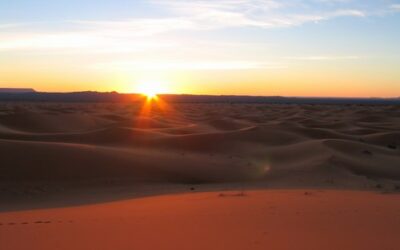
pixel 296 82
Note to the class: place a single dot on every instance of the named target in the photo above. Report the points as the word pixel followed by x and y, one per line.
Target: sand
pixel 93 173
pixel 279 219
pixel 188 143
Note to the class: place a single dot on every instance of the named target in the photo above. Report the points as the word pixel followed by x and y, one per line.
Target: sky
pixel 346 48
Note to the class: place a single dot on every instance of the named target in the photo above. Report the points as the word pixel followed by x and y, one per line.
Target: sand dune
pixel 184 143
pixel 69 161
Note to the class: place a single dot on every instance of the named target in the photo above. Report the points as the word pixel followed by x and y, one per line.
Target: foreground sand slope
pixel 280 219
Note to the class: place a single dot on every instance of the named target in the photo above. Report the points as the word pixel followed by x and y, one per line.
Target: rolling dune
pixel 190 143
pixel 250 176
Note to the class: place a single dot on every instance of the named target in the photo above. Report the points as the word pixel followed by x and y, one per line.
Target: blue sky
pixel 275 47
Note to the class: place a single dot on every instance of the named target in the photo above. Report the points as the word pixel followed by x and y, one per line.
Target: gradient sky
pixel 255 47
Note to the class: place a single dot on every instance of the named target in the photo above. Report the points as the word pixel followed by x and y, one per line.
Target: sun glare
pixel 150 94
pixel 151 89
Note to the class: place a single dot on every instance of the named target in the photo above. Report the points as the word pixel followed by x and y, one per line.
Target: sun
pixel 151 89
pixel 150 94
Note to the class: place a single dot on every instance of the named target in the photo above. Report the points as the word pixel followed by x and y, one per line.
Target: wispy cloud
pixel 395 7
pixel 137 26
pixel 323 58
pixel 11 25
pixel 253 13
pixel 91 42
pixel 132 34
pixel 187 65
pixel 46 41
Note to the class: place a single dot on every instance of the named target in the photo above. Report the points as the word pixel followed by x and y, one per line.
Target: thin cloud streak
pixel 187 65
pixel 256 13
pixel 395 7
pixel 322 58
pixel 92 42
pixel 9 25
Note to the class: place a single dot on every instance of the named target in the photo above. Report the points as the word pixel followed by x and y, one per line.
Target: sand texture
pixel 284 219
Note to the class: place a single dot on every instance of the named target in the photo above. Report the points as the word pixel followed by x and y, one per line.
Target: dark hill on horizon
pixel 17 90
pixel 29 95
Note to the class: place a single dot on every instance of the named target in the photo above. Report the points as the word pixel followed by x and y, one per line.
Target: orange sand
pixel 279 219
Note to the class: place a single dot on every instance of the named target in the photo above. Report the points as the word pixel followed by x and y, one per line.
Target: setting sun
pixel 151 89
pixel 150 94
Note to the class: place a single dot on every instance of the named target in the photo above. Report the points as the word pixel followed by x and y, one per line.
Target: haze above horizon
pixel 344 48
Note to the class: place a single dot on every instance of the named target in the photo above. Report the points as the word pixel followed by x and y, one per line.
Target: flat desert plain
pixel 159 175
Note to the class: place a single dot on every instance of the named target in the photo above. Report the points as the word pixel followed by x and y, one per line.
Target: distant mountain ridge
pixel 17 90
pixel 98 97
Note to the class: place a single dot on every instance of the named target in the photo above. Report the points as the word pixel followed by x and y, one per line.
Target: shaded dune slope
pixel 199 142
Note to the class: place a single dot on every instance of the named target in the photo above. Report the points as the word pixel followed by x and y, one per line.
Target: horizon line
pixel 32 90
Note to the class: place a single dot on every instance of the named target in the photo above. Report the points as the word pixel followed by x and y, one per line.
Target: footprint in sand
pixel 35 222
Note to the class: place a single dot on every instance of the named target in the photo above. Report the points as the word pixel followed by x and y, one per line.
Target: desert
pixel 199 125
pixel 167 166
